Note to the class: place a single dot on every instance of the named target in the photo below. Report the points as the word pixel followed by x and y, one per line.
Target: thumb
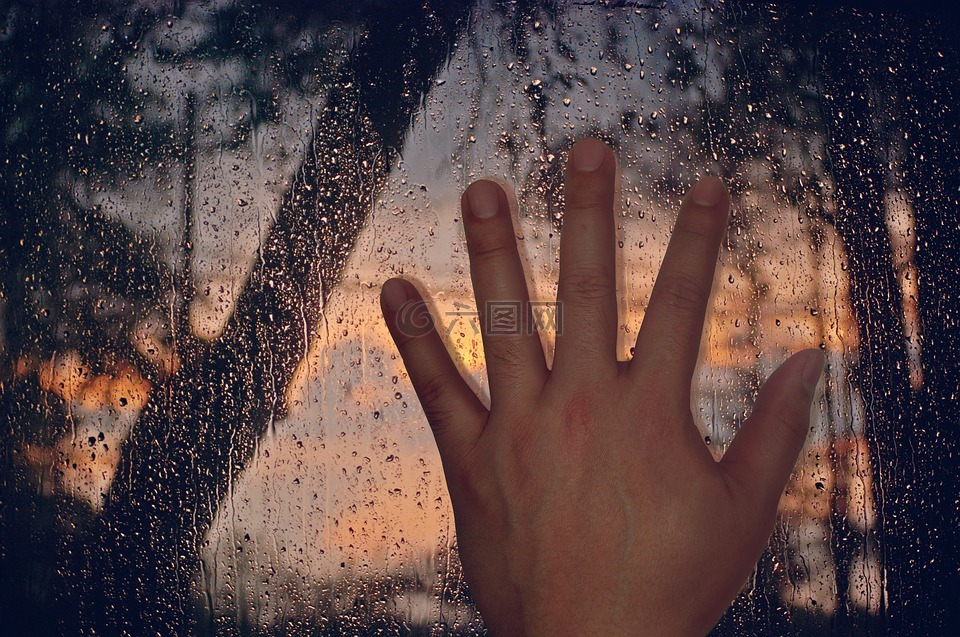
pixel 765 450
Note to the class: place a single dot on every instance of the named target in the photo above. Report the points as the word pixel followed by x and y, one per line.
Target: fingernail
pixel 588 154
pixel 707 192
pixel 812 370
pixel 394 294
pixel 484 198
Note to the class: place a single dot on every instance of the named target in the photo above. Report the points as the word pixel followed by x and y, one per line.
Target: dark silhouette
pixel 195 438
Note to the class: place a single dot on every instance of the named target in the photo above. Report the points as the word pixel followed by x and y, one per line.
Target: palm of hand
pixel 585 500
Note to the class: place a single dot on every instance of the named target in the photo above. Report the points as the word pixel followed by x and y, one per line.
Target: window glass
pixel 207 423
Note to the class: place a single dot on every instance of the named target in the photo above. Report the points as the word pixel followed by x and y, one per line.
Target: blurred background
pixel 206 428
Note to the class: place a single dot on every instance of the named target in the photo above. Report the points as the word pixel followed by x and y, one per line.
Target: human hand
pixel 585 500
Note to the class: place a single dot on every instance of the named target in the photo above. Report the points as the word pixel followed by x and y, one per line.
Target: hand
pixel 585 500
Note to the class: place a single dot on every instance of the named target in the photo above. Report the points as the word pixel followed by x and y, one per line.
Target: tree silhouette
pixel 198 432
pixel 193 440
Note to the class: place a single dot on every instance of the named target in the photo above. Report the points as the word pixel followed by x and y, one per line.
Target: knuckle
pixel 675 344
pixel 468 477
pixel 486 249
pixel 585 204
pixel 433 392
pixel 786 419
pixel 475 496
pixel 586 211
pixel 682 293
pixel 521 453
pixel 587 283
pixel 590 194
pixel 579 416
pixel 698 226
pixel 505 357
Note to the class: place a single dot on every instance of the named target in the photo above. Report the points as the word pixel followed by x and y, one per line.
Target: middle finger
pixel 587 290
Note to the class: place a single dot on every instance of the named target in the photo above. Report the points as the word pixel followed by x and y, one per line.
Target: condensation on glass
pixel 215 192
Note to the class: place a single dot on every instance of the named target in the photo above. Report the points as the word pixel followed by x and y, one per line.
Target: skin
pixel 585 499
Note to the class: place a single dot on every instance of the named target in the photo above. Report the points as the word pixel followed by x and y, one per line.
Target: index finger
pixel 669 339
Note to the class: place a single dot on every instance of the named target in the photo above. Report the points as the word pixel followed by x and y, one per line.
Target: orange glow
pixel 65 375
pixel 70 378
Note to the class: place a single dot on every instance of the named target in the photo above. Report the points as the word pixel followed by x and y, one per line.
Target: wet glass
pixel 206 425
